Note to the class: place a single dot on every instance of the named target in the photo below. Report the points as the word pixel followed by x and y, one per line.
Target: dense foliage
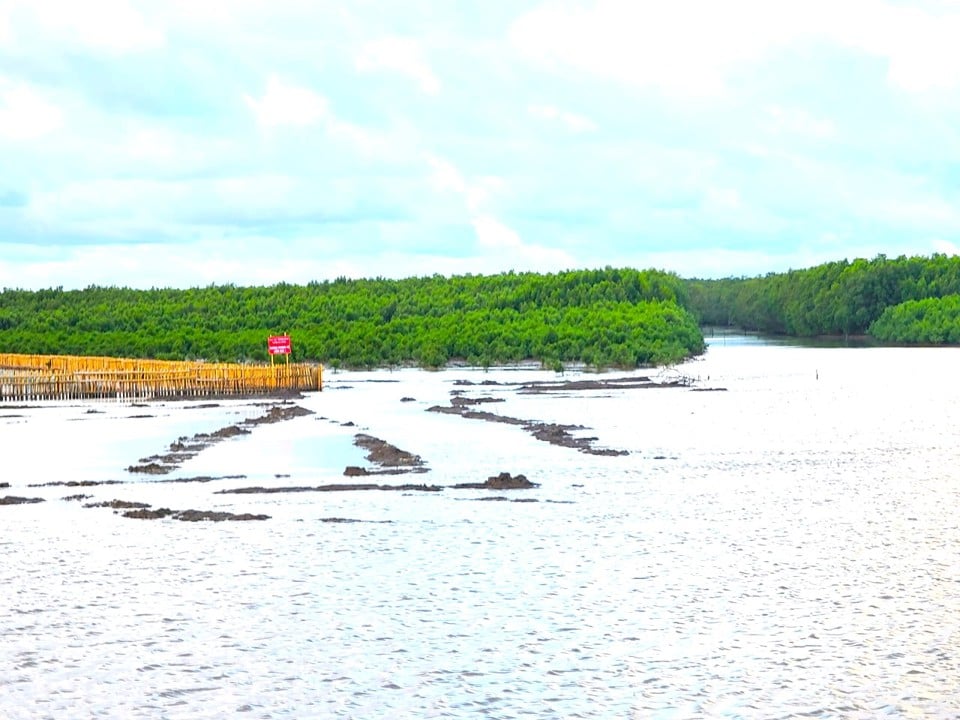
pixel 838 298
pixel 931 321
pixel 611 317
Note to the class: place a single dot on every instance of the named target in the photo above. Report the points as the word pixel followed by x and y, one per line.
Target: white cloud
pixel 691 47
pixel 921 47
pixel 682 47
pixel 495 236
pixel 400 55
pixel 283 104
pixel 504 245
pixel 25 114
pixel 721 200
pixel 797 121
pixel 6 35
pixel 573 122
pixel 286 105
pixel 495 239
pixel 109 26
pixel 945 247
pixel 445 177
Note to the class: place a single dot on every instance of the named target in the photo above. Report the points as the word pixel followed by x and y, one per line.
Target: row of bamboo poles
pixel 66 377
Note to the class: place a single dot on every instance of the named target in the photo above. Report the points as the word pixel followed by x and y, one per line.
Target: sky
pixel 184 143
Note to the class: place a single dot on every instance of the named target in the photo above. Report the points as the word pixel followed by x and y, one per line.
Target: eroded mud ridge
pixel 503 481
pixel 95 483
pixel 548 432
pixel 144 511
pixel 352 520
pixel 15 500
pixel 77 483
pixel 387 459
pixel 341 487
pixel 640 382
pixel 618 383
pixel 185 448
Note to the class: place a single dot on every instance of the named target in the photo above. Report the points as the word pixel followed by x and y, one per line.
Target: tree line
pixel 904 299
pixel 603 318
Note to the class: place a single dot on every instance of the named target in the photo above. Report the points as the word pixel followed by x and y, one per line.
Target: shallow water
pixel 782 549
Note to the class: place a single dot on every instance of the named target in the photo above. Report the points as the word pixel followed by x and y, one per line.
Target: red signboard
pixel 278 344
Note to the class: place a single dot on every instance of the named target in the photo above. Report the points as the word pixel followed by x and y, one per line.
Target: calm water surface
pixel 786 548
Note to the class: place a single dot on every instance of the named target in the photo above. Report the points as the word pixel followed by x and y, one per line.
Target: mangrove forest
pixel 900 300
pixel 601 318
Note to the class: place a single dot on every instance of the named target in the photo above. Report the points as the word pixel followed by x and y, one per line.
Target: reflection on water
pixel 722 336
pixel 785 548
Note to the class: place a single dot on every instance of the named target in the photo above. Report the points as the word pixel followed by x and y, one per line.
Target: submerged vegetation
pixel 905 300
pixel 611 317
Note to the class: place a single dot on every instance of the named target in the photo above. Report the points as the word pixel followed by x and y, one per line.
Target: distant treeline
pixel 611 317
pixel 905 300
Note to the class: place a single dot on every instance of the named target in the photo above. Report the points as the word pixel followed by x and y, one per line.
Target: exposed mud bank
pixel 547 432
pixel 503 481
pixel 387 459
pixel 340 487
pixel 351 520
pixel 192 515
pixel 185 448
pixel 118 505
pixel 144 511
pixel 640 382
pixel 15 500
pixel 202 479
pixel 78 483
pixel 504 498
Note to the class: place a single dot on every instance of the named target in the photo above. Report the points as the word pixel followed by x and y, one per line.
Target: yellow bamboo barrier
pixel 66 377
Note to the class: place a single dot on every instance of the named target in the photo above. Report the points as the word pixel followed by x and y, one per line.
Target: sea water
pixel 782 546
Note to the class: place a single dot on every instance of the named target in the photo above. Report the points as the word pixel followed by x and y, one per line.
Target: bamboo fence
pixel 66 377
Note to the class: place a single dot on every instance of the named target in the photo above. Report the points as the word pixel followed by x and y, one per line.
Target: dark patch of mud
pixel 407 399
pixel 343 487
pixel 223 433
pixel 78 483
pixel 216 516
pixel 8 417
pixel 202 479
pixel 709 389
pixel 152 468
pixel 140 511
pixel 185 448
pixel 14 500
pixel 69 498
pixel 461 401
pixel 4 485
pixel 502 498
pixel 547 432
pixel 503 481
pixel 147 514
pixel 279 413
pixel 118 505
pixel 202 406
pixel 351 520
pixel 386 459
pixel 639 382
pixel 139 417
